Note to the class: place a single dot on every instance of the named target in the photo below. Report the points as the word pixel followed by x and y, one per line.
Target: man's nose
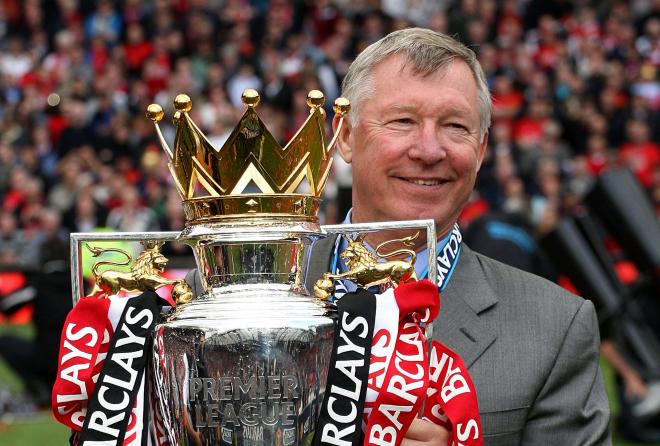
pixel 429 147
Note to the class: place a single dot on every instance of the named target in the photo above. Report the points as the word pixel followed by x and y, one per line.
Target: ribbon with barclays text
pixel 451 397
pixel 340 420
pixel 104 348
pixel 399 377
pixel 83 346
pixel 110 418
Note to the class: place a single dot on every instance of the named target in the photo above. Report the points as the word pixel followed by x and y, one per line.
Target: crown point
pixel 183 103
pixel 250 97
pixel 342 106
pixel 155 112
pixel 315 99
pixel 177 118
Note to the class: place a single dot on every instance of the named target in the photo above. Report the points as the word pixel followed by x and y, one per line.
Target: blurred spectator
pixel 598 157
pixel 546 201
pixel 508 238
pixel 63 194
pixel 131 215
pixel 137 49
pixel 244 78
pixel 507 101
pixel 86 215
pixel 15 62
pixel 104 23
pixel 12 241
pixel 640 153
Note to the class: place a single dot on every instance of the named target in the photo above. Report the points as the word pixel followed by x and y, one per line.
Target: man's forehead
pixel 401 64
pixel 395 94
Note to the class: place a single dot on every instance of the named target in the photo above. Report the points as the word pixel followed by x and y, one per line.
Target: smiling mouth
pixel 423 182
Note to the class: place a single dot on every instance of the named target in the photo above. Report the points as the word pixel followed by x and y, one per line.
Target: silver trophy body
pixel 246 362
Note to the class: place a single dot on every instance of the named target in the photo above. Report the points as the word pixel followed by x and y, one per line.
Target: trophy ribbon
pixel 399 375
pixel 83 346
pixel 452 398
pixel 121 381
pixel 106 359
pixel 344 400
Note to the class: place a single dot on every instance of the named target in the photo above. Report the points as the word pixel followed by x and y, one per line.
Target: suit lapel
pixel 468 294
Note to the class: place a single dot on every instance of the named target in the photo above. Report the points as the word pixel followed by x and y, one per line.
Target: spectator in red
pixel 507 100
pixel 528 130
pixel 598 157
pixel 640 153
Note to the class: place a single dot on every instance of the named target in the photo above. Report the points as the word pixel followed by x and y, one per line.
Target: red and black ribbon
pixel 381 373
pixel 340 420
pixel 109 410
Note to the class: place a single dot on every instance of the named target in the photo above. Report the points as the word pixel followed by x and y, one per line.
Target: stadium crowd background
pixel 575 84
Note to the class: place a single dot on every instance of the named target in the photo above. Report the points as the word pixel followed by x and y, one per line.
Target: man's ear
pixel 344 145
pixel 482 151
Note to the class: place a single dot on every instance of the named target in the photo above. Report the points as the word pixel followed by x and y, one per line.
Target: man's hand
pixel 424 433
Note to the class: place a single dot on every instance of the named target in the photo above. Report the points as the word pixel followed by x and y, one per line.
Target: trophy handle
pixel 428 225
pixel 431 243
pixel 79 238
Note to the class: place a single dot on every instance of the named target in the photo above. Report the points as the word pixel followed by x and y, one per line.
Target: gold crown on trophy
pixel 251 175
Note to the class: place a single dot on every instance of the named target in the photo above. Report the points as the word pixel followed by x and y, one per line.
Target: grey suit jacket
pixel 531 349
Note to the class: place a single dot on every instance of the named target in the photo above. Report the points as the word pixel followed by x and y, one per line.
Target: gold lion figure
pixel 365 270
pixel 144 274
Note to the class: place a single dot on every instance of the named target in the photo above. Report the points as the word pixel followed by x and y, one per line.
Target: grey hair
pixel 428 51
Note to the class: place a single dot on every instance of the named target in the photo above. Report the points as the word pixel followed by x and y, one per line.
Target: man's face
pixel 415 150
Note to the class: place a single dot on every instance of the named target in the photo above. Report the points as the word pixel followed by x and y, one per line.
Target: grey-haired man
pixel 416 140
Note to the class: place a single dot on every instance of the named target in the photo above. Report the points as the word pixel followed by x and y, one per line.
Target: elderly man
pixel 416 140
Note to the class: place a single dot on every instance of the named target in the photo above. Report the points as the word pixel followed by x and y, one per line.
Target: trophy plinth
pixel 246 362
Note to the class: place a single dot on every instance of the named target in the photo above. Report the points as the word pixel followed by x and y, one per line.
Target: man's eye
pixel 457 126
pixel 403 121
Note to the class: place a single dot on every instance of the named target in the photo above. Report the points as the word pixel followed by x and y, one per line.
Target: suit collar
pixel 468 295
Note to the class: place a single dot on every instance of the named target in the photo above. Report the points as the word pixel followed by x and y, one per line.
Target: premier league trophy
pixel 244 359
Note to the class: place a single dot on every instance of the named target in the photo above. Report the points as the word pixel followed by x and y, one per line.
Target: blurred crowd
pixel 575 85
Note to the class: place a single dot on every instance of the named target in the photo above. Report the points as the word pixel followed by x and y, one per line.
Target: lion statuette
pixel 145 274
pixel 365 270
